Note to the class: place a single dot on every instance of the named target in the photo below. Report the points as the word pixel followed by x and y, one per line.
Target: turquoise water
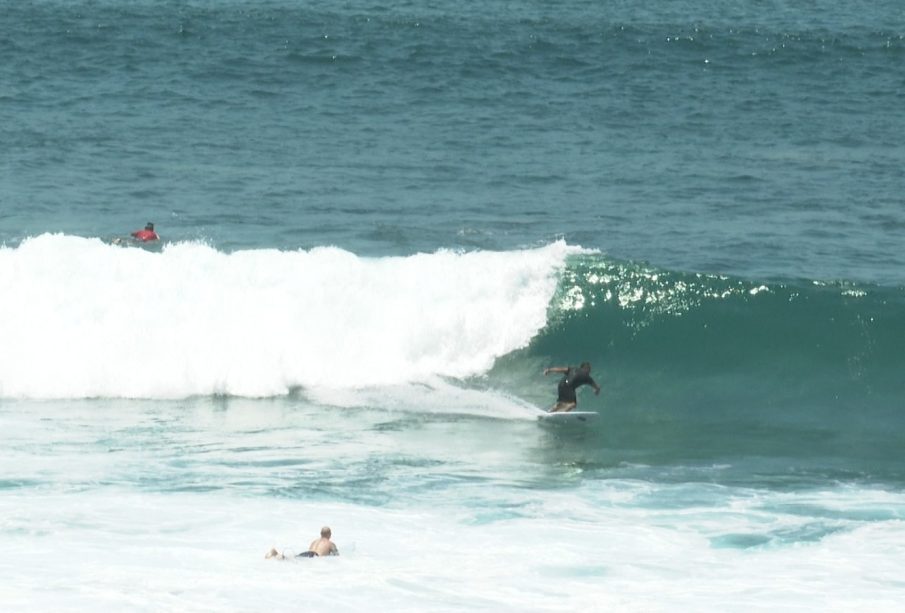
pixel 757 139
pixel 380 223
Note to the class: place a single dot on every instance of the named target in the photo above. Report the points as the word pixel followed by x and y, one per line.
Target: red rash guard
pixel 146 235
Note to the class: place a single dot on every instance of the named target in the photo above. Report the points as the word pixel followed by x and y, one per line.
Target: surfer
pixel 573 378
pixel 148 234
pixel 322 546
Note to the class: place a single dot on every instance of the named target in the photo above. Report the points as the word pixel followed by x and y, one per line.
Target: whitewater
pixel 190 320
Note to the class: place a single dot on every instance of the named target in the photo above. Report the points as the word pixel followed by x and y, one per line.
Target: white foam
pixel 125 505
pixel 80 318
pixel 434 395
pixel 122 549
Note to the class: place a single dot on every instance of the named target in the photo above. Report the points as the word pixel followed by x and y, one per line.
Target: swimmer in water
pixel 148 234
pixel 322 546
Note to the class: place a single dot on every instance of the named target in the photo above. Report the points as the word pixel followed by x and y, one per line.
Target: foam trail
pixel 434 395
pixel 81 318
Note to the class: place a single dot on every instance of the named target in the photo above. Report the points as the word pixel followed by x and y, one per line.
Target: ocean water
pixel 380 222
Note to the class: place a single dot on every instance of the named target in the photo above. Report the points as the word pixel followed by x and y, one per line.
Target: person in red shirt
pixel 148 234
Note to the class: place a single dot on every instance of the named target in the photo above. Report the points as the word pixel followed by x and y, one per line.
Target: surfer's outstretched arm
pixel 558 369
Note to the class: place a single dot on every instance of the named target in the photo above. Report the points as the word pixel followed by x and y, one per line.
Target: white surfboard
pixel 568 416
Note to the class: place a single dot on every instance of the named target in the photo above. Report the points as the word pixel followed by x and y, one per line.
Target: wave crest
pixel 82 318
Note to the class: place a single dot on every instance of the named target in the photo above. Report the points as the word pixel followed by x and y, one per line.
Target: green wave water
pixel 708 367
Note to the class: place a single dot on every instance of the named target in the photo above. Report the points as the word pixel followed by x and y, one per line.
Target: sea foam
pixel 82 318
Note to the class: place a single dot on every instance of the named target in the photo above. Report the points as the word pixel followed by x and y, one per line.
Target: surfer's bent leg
pixel 566 399
pixel 562 407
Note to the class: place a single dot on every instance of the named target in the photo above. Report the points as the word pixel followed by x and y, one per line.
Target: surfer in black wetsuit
pixel 573 378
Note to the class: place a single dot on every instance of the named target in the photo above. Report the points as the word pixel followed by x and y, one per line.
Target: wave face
pixel 81 318
pixel 695 364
